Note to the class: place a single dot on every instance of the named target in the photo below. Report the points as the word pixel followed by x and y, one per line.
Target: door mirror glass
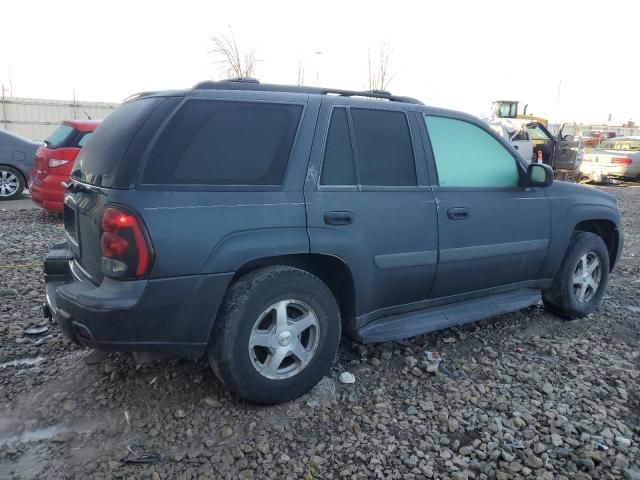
pixel 539 175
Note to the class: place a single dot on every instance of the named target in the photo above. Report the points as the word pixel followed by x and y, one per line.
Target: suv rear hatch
pixel 60 148
pixel 108 164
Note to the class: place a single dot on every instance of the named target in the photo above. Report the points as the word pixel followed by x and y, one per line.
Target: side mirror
pixel 539 175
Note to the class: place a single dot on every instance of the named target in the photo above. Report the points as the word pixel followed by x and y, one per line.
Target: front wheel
pixel 11 183
pixel 276 336
pixel 579 285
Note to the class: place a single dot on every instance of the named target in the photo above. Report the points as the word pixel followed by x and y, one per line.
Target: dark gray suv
pixel 256 223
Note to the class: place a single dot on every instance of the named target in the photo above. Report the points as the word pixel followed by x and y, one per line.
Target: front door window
pixel 467 156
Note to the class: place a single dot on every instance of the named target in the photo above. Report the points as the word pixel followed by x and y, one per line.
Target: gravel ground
pixel 524 395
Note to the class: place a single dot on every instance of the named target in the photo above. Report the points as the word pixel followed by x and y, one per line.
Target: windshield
pixel 621 145
pixel 536 133
pixel 59 136
pixel 505 109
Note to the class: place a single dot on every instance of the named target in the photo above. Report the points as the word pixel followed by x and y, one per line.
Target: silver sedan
pixel 616 157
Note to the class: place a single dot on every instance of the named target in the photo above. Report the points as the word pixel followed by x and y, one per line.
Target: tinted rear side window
pixel 337 168
pixel 384 149
pixel 84 138
pixel 100 159
pixel 214 142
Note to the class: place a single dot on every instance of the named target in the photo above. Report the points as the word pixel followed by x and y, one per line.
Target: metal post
pixel 318 53
pixel 555 118
pixel 4 109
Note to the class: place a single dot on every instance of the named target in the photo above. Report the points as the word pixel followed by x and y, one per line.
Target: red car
pixel 54 160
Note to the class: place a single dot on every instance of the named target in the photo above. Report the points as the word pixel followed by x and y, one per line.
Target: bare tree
pixel 300 72
pixel 233 61
pixel 379 68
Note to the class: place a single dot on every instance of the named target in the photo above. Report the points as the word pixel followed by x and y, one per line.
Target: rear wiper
pixel 74 187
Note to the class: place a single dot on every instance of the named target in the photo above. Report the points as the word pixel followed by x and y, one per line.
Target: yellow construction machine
pixel 510 109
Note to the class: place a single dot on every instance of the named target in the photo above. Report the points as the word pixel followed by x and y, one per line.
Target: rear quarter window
pixel 84 138
pixel 216 142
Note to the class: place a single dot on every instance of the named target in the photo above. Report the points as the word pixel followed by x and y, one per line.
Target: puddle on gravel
pixel 39 434
pixel 631 308
pixel 18 362
pixel 35 435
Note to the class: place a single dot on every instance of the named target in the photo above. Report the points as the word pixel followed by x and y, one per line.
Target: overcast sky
pixel 454 54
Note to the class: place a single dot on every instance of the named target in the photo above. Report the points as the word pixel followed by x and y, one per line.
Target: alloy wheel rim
pixel 8 183
pixel 284 339
pixel 586 277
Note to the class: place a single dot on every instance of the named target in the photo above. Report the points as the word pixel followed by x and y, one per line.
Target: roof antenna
pixel 88 116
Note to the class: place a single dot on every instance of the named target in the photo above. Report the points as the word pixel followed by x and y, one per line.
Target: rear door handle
pixel 458 213
pixel 338 218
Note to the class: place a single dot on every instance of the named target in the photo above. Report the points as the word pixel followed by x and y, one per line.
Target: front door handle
pixel 338 218
pixel 458 213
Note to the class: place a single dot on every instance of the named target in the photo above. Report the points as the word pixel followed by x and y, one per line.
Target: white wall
pixel 36 118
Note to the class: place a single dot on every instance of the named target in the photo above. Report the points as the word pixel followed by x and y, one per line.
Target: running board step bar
pixel 405 325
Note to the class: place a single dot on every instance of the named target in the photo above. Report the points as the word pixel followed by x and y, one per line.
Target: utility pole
pixel 555 118
pixel 4 108
pixel 10 83
pixel 318 53
pixel 76 111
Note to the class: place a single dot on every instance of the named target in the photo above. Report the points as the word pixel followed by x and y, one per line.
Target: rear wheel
pixel 11 183
pixel 579 285
pixel 276 336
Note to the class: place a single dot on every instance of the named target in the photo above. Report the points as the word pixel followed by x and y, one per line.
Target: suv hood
pixel 585 193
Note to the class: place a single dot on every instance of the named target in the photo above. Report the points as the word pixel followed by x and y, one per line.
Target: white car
pixel 617 157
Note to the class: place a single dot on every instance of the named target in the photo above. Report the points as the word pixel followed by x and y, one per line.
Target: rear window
pixel 99 159
pixel 215 142
pixel 59 136
pixel 621 145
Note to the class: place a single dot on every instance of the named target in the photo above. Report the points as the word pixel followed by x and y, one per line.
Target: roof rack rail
pixel 138 95
pixel 253 84
pixel 244 80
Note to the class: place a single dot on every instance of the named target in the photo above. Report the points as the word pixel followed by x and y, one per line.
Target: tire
pixel 11 183
pixel 249 318
pixel 563 298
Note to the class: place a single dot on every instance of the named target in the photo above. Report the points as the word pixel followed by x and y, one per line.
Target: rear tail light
pixel 55 162
pixel 621 160
pixel 126 252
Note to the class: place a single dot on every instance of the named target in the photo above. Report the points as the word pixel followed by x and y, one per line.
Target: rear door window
pixel 338 168
pixel 216 142
pixel 383 154
pixel 384 148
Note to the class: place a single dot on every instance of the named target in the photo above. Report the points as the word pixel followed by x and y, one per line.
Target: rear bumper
pixel 170 314
pixel 48 192
pixel 591 169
